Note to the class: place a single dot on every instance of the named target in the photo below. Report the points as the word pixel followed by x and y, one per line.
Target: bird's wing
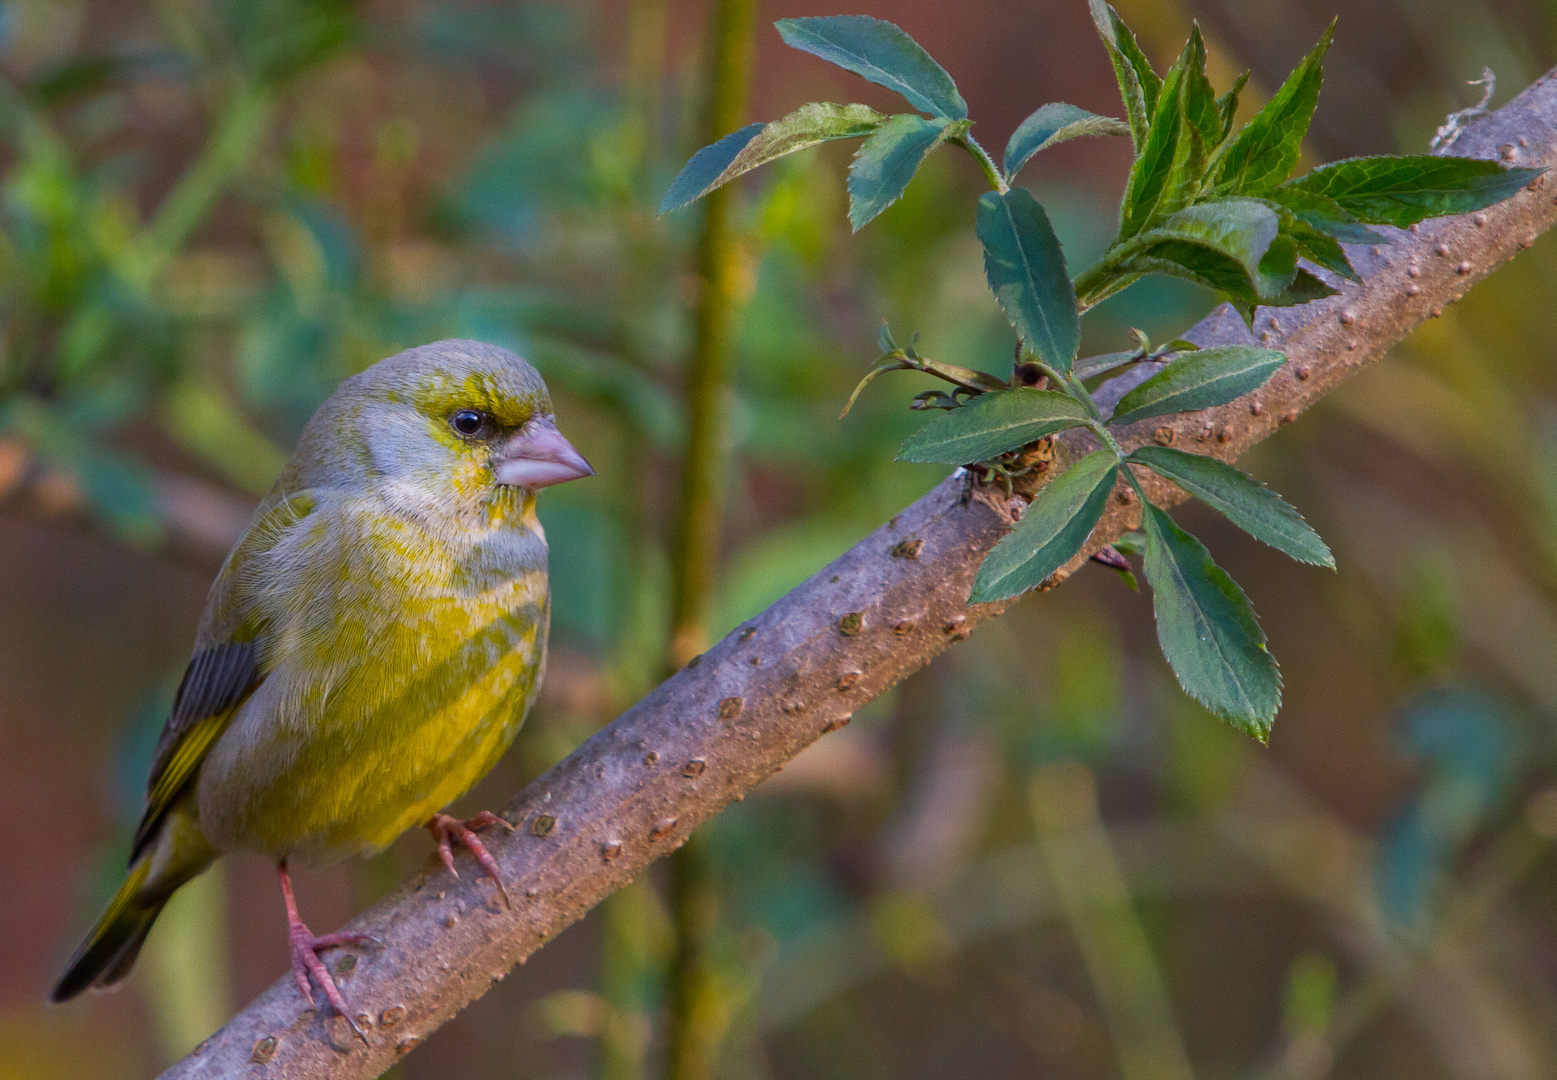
pixel 221 674
pixel 215 683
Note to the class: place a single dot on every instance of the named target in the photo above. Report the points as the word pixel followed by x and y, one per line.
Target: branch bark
pixel 734 716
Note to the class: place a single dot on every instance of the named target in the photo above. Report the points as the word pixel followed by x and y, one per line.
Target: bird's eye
pixel 471 422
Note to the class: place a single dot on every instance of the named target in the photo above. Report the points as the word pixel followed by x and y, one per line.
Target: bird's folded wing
pixel 222 674
pixel 216 682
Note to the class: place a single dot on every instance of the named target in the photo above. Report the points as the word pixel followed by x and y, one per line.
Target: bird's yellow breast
pixel 401 656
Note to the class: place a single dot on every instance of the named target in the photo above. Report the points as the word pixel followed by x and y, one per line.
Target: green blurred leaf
pixel 702 173
pixel 1139 85
pixel 1026 269
pixel 1265 152
pixel 807 126
pixel 991 425
pixel 1200 380
pixel 888 159
pixel 1055 526
pixel 1404 190
pixel 881 52
pixel 1054 123
pixel 1244 501
pixel 1208 630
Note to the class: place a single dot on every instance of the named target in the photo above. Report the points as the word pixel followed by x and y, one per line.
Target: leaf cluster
pixel 1203 202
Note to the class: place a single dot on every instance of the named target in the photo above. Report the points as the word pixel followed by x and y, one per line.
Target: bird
pixel 368 650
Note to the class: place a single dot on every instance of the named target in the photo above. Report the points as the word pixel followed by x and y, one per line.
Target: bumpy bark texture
pixel 706 736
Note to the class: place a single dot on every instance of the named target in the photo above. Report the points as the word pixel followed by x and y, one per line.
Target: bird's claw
pixel 447 829
pixel 306 962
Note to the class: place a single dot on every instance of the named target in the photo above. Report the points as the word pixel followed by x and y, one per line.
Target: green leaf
pixel 1055 123
pixel 1404 190
pixel 1138 83
pixel 887 161
pixel 1304 289
pixel 1053 529
pixel 1207 629
pixel 1237 233
pixel 1245 501
pixel 1104 362
pixel 1315 245
pixel 1266 151
pixel 992 424
pixel 1200 380
pixel 699 176
pixel 1227 104
pixel 1325 214
pixel 1026 270
pixel 1200 128
pixel 1154 161
pixel 880 52
pixel 1131 543
pixel 805 127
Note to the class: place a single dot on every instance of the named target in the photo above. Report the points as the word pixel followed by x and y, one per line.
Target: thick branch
pixel 706 736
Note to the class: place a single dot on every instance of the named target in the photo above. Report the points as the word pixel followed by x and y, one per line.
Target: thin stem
pixel 692 1042
pixel 987 163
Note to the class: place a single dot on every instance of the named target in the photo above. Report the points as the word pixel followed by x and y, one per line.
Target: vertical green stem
pixel 695 1015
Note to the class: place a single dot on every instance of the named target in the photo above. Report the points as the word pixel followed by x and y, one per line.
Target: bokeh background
pixel 1036 858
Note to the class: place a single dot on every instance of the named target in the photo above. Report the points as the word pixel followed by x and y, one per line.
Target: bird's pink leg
pixel 448 830
pixel 305 952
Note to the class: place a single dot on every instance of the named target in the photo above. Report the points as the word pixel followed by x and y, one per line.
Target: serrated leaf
pixel 1208 630
pixel 1227 104
pixel 1325 214
pixel 1154 161
pixel 807 126
pixel 1139 85
pixel 992 424
pixel 1200 128
pixel 1243 500
pixel 887 161
pixel 1200 380
pixel 1404 190
pixel 697 177
pixel 881 52
pixel 1239 232
pixel 1026 269
pixel 1054 123
pixel 1055 526
pixel 1266 150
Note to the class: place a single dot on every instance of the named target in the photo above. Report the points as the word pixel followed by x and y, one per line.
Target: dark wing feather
pixel 215 683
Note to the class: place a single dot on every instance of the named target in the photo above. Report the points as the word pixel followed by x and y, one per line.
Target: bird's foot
pixel 306 946
pixel 448 830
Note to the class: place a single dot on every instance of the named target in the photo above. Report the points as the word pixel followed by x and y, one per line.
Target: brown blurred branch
pixel 717 728
pixel 200 520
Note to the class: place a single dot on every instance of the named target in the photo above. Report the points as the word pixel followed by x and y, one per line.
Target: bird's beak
pixel 537 456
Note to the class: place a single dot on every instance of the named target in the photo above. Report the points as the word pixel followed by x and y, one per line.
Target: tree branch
pixel 634 791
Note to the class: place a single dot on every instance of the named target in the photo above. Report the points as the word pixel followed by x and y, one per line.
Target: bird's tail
pixel 109 951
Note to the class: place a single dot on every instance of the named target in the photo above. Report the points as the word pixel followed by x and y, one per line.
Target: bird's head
pixel 451 420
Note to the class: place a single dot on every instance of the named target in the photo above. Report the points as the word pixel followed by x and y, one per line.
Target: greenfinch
pixel 368 650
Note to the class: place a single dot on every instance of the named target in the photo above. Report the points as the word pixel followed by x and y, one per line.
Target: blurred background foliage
pixel 1036 857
